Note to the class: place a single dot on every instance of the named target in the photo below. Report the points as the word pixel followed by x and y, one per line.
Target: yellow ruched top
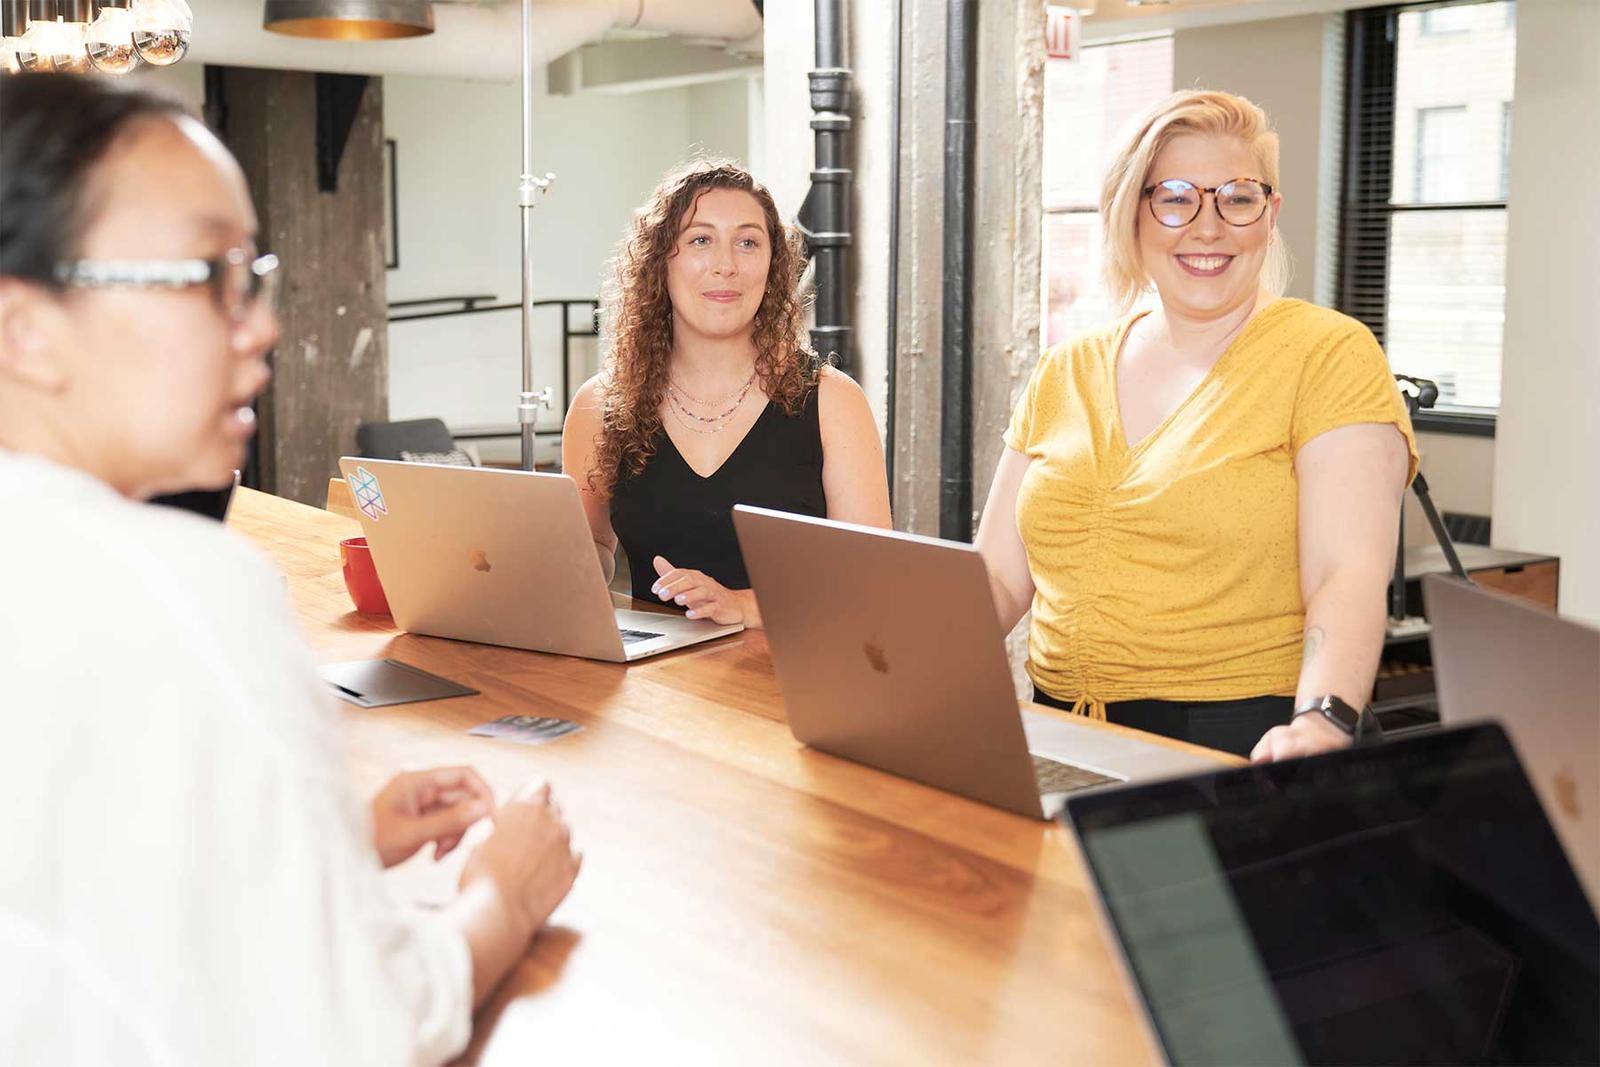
pixel 1170 570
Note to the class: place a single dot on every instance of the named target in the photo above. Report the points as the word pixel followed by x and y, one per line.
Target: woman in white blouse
pixel 188 877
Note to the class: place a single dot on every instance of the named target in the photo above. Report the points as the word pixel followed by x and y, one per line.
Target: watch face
pixel 1338 712
pixel 1342 713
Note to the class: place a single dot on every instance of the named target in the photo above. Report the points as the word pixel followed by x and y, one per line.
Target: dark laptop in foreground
pixel 1497 657
pixel 500 557
pixel 888 653
pixel 1402 903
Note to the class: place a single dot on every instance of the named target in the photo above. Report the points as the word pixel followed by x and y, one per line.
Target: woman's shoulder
pixel 584 414
pixel 590 393
pixel 834 383
pixel 1312 323
pixel 117 572
pixel 1090 345
pixel 839 398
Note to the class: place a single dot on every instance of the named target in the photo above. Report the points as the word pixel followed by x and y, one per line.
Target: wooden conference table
pixel 743 899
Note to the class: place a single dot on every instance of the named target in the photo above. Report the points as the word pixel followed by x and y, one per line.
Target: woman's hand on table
pixel 528 858
pixel 704 596
pixel 1305 735
pixel 437 805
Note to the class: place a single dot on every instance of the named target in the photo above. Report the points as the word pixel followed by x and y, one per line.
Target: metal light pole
pixel 528 190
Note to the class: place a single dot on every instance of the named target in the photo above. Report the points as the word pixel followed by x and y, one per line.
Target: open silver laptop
pixel 889 653
pixel 1497 657
pixel 500 557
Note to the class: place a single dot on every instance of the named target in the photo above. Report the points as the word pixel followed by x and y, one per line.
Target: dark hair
pixel 54 128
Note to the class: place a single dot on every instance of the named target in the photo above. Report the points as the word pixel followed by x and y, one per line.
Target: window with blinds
pixel 1086 105
pixel 1427 171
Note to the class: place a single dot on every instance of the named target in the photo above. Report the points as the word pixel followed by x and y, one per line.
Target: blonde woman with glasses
pixel 1200 501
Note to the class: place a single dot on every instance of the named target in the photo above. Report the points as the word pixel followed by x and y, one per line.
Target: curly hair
pixel 636 320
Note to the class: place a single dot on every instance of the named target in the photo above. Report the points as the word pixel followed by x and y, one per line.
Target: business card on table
pixel 526 729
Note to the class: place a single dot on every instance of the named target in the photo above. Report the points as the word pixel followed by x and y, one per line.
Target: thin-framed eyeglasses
pixel 1176 203
pixel 239 283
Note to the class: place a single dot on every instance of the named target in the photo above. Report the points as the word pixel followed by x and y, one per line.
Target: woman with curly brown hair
pixel 709 397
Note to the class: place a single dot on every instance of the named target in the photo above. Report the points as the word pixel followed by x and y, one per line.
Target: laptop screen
pixel 1406 903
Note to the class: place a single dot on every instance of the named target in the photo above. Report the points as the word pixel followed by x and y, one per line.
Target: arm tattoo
pixel 1314 639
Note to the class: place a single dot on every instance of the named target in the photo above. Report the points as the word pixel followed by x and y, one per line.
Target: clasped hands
pixel 438 805
pixel 441 804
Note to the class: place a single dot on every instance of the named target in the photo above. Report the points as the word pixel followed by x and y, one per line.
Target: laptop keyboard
pixel 1056 777
pixel 633 637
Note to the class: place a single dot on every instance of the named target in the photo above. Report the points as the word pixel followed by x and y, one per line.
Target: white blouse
pixel 187 876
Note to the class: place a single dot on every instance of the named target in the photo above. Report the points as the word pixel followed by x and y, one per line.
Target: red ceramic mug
pixel 361 577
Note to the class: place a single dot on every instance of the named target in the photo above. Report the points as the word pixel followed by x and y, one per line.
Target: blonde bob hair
pixel 1191 111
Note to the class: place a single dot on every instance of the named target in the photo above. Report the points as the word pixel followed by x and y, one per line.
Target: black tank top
pixel 668 510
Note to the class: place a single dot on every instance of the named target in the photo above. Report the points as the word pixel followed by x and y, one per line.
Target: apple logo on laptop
pixel 1567 794
pixel 875 657
pixel 480 561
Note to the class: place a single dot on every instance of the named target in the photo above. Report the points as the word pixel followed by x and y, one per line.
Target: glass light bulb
pixel 109 41
pixel 161 30
pixel 70 55
pixel 35 49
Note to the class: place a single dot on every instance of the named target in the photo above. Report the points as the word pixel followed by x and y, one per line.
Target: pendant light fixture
pixel 82 36
pixel 349 20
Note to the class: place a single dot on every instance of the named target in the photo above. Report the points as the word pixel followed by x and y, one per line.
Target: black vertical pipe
pixel 960 136
pixel 825 216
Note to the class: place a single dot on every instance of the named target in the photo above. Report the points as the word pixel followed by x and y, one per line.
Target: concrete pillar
pixel 1010 223
pixel 330 370
pixel 1009 210
pixel 1009 219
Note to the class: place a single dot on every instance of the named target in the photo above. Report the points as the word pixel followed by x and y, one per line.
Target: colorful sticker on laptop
pixel 369 497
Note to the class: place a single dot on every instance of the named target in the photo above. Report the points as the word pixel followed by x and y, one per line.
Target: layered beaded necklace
pixel 679 402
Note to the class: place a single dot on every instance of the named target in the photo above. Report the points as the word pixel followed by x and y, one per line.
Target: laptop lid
pixel 888 652
pixel 1498 657
pixel 500 557
pixel 1403 903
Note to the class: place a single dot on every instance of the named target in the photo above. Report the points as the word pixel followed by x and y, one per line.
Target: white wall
pixel 1460 474
pixel 459 152
pixel 1547 451
pixel 459 149
pixel 1278 64
pixel 718 114
pixel 789 51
